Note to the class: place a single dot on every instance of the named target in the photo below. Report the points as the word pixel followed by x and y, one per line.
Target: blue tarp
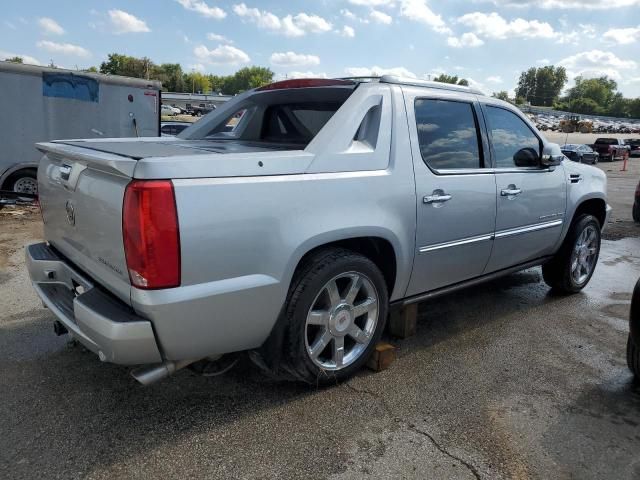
pixel 68 85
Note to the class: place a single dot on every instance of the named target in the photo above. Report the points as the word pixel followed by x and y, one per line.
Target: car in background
pixel 171 129
pixel 610 148
pixel 634 145
pixel 168 111
pixel 636 205
pixel 580 153
pixel 202 109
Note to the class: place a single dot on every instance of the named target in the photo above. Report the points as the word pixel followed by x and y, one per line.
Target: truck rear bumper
pixel 99 321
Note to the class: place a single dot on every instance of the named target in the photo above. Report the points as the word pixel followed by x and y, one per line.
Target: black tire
pixel 636 212
pixel 557 272
pixel 633 358
pixel 13 181
pixel 308 283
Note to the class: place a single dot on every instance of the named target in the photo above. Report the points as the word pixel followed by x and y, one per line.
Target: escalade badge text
pixel 71 214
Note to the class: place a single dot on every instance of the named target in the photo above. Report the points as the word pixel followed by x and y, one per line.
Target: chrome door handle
pixel 436 198
pixel 65 172
pixel 510 191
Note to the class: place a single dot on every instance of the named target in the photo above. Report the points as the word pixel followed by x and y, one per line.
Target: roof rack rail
pixel 396 80
pixel 426 83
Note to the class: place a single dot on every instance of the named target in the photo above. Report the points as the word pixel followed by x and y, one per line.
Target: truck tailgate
pixel 81 194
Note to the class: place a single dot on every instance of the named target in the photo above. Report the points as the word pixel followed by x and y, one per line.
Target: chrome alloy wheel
pixel 341 321
pixel 583 257
pixel 26 185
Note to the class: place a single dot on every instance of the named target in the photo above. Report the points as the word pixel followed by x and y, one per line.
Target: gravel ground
pixel 504 380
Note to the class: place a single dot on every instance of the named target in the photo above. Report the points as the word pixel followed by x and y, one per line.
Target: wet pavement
pixel 504 380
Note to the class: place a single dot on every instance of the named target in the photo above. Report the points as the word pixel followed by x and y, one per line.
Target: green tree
pixel 453 79
pixel 14 60
pixel 541 86
pixel 196 82
pixel 246 79
pixel 171 76
pixel 634 108
pixel 585 105
pixel 91 70
pixel 501 95
pixel 125 65
pixel 618 106
pixel 600 90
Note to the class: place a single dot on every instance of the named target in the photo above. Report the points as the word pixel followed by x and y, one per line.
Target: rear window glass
pixel 286 117
pixel 296 123
pixel 607 141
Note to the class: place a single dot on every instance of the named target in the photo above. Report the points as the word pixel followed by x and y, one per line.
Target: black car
pixel 170 129
pixel 634 145
pixel 580 153
pixel 633 343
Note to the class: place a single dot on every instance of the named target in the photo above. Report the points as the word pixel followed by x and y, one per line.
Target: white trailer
pixel 41 104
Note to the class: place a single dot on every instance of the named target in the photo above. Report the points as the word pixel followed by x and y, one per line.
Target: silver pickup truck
pixel 291 219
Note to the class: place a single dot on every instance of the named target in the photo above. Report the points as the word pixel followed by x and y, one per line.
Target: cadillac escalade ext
pixel 291 219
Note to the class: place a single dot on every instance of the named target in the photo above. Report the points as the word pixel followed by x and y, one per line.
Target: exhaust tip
pixel 59 329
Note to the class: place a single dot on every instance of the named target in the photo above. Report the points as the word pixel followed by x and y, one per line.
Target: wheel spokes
pixel 322 342
pixel 338 351
pixel 358 334
pixel 318 317
pixel 368 306
pixel 354 288
pixel 334 294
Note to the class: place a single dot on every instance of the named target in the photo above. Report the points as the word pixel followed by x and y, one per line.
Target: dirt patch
pixel 621 229
pixel 18 226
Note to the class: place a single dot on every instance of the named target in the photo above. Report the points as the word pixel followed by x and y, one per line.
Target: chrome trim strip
pixel 530 228
pixel 456 243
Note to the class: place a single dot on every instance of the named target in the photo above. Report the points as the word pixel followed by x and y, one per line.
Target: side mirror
pixel 526 157
pixel 552 156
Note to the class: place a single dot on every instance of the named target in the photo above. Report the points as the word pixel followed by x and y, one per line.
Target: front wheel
pixel 336 312
pixel 572 267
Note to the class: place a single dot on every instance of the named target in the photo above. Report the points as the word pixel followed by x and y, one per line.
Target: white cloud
pixel 595 63
pixel 10 25
pixel 492 25
pixel 124 22
pixel 378 71
pixel 50 26
pixel 622 36
pixel 466 40
pixel 568 4
pixel 348 32
pixel 290 25
pixel 203 9
pixel 373 3
pixel 214 37
pixel 418 11
pixel 198 67
pixel 494 79
pixel 291 59
pixel 221 55
pixel 380 17
pixel 543 61
pixel 63 48
pixel 25 58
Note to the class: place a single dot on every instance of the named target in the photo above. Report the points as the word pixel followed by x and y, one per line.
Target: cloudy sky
pixel 488 42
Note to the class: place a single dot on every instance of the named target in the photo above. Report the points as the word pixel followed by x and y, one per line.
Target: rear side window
pixel 510 135
pixel 447 134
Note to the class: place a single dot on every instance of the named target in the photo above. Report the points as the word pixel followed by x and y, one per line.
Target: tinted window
pixel 296 123
pixel 514 143
pixel 447 134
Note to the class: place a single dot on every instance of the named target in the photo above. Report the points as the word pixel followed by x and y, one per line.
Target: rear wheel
pixel 633 358
pixel 572 267
pixel 336 312
pixel 23 181
pixel 636 211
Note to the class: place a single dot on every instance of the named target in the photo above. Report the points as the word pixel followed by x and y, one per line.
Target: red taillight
pixel 150 233
pixel 306 83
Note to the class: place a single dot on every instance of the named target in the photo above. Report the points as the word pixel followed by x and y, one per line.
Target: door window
pixel 514 143
pixel 448 134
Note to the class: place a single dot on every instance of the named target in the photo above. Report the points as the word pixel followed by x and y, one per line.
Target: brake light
pixel 305 83
pixel 150 233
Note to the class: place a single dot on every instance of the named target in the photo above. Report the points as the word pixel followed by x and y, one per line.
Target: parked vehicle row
pixel 610 149
pixel 290 221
